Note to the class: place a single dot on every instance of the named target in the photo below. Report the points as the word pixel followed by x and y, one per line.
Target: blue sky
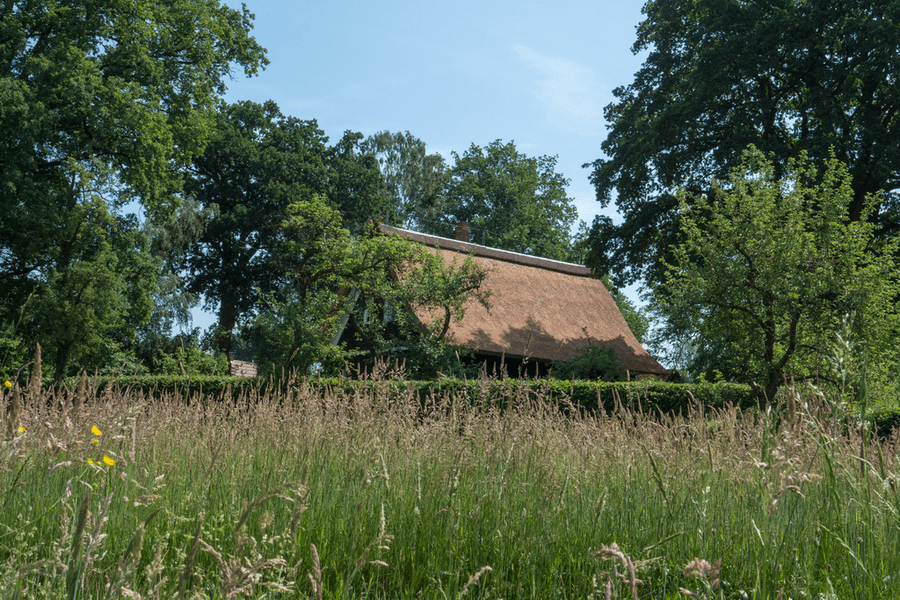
pixel 451 73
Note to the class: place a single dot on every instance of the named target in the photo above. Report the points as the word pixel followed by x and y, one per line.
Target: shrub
pixel 591 363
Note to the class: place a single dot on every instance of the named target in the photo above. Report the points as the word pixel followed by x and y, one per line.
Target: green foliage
pixel 13 349
pixel 355 186
pixel 171 239
pixel 119 90
pixel 591 362
pixel 413 180
pixel 787 76
pixel 367 288
pixel 580 245
pixel 768 269
pixel 181 354
pixel 93 295
pixel 635 316
pixel 100 106
pixel 511 201
pixel 258 163
pixel 648 396
pixel 213 386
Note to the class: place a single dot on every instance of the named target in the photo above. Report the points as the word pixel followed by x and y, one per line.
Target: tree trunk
pixel 771 389
pixel 227 320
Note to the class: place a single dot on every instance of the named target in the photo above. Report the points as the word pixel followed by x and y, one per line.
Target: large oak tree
pixel 787 76
pixel 511 201
pixel 101 103
pixel 258 163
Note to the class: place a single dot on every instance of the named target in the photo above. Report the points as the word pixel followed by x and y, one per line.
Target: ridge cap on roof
pixel 489 252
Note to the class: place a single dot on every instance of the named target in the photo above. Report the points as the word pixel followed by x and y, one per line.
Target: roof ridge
pixel 489 252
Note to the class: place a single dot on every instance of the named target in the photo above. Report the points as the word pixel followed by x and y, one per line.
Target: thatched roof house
pixel 541 310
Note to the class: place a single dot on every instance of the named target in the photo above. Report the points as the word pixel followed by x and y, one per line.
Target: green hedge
pixel 212 386
pixel 647 396
pixel 644 395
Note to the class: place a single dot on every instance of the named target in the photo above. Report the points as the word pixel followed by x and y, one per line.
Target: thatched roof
pixel 541 309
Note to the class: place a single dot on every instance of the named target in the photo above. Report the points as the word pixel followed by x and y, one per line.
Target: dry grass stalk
pixel 277 491
pixel 15 413
pixel 378 543
pixel 239 577
pixel 700 568
pixel 300 506
pixel 34 385
pixel 79 398
pixel 613 552
pixel 474 579
pixel 315 577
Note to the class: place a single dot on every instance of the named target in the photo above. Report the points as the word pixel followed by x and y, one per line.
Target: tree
pixel 163 336
pixel 370 285
pixel 95 294
pixel 414 181
pixel 99 106
pixel 634 315
pixel 787 76
pixel 257 164
pixel 171 240
pixel 130 89
pixel 768 268
pixel 591 362
pixel 354 185
pixel 511 201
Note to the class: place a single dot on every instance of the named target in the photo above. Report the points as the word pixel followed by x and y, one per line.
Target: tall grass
pixel 310 493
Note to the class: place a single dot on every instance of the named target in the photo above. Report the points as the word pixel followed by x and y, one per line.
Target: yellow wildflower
pixel 109 461
pixel 8 383
pixel 95 441
pixel 91 461
pixel 21 429
pixel 96 430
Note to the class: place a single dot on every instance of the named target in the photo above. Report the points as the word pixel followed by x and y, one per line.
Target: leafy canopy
pixel 788 76
pixel 769 267
pixel 414 181
pixel 258 163
pixel 511 201
pixel 370 291
pixel 131 86
pixel 591 362
pixel 101 104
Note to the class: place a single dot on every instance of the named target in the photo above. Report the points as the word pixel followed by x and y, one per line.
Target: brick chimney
pixel 462 232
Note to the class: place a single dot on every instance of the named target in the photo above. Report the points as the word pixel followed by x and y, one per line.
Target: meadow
pixel 308 492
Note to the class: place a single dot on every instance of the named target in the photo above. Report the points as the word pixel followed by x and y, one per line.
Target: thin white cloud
pixel 570 93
